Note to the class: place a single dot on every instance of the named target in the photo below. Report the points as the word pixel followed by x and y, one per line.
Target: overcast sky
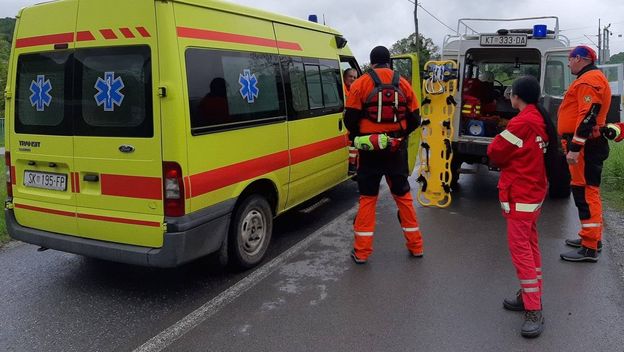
pixel 367 23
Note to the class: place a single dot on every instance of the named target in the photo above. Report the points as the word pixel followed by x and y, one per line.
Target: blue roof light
pixel 540 31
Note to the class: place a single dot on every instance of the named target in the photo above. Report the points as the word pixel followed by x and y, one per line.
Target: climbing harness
pixel 436 150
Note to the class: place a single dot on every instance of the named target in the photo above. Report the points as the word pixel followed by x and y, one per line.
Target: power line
pixel 432 15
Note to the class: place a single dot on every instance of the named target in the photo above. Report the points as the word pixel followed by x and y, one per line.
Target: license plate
pixel 503 40
pixel 45 180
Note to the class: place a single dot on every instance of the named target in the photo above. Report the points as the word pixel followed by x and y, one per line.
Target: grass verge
pixel 613 177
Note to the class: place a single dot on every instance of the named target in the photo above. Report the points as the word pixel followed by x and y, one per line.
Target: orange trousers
pixel 364 225
pixel 585 184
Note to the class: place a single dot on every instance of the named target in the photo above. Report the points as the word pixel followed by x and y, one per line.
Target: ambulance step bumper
pixel 178 247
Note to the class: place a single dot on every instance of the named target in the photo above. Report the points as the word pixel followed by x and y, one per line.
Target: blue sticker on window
pixel 40 89
pixel 249 86
pixel 109 91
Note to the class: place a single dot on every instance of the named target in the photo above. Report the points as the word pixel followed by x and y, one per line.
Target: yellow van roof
pixel 252 12
pixel 240 9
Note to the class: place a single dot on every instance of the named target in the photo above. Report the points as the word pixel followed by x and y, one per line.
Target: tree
pixel 428 50
pixel 617 58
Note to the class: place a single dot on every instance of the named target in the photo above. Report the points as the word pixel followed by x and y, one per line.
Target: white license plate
pixel 503 40
pixel 45 180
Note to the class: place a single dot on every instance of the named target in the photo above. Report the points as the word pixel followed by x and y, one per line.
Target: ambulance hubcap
pixel 254 232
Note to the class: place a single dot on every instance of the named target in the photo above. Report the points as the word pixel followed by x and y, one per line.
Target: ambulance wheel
pixel 250 232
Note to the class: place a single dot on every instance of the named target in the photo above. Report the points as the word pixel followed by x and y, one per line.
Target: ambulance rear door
pixel 555 80
pixel 615 76
pixel 117 123
pixel 40 139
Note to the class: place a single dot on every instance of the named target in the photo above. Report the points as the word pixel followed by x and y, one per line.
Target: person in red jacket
pixel 519 152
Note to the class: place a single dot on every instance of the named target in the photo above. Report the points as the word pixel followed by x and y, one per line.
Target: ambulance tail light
pixel 9 176
pixel 173 189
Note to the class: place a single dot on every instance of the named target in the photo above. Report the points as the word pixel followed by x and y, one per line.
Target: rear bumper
pixel 190 238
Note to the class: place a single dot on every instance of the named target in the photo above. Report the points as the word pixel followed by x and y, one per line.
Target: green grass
pixel 613 177
pixel 4 236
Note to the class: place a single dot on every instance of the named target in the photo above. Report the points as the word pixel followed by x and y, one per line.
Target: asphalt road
pixel 311 297
pixel 54 301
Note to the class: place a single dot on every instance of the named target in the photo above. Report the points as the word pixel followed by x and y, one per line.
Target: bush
pixel 613 176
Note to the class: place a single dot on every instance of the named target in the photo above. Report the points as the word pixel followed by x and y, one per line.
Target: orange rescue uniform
pixel 581 115
pixel 373 165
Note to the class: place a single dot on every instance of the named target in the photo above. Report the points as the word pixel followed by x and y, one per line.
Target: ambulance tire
pixel 250 232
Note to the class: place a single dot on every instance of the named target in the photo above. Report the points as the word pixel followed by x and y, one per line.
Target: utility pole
pixel 599 42
pixel 606 55
pixel 416 38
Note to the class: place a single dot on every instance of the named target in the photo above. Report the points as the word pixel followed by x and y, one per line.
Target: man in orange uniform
pixel 380 113
pixel 348 77
pixel 582 114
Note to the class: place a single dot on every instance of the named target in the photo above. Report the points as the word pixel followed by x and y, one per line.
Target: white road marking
pixel 189 322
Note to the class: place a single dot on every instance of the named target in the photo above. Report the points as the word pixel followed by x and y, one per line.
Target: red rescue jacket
pixel 519 152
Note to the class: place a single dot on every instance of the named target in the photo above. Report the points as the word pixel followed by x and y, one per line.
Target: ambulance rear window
pixel 86 92
pixel 113 88
pixel 41 93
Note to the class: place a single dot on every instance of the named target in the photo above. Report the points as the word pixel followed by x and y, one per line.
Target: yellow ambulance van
pixel 155 132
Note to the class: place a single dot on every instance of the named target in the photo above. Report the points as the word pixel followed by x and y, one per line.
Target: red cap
pixel 584 52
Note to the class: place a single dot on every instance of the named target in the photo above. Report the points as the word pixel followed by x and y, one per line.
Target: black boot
pixel 533 323
pixel 577 244
pixel 581 255
pixel 515 303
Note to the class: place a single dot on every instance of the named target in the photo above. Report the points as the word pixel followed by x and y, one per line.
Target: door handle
pixel 340 125
pixel 91 178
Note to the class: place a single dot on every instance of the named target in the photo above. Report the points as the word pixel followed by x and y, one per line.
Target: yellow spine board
pixel 436 152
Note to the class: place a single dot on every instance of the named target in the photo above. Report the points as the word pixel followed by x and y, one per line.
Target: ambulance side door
pixel 409 68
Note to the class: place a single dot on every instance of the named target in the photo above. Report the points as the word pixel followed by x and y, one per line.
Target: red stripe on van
pixel 77 181
pixel 205 34
pixel 89 216
pixel 311 151
pixel 108 33
pixel 84 36
pixel 13 174
pixel 142 31
pixel 187 187
pixel 44 40
pixel 126 32
pixel 119 220
pixel 45 210
pixel 232 174
pixel 132 186
pixel 73 182
pixel 289 45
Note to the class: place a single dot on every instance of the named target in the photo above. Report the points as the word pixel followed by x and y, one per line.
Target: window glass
pixel 115 92
pixel 227 89
pixel 41 93
pixel 315 89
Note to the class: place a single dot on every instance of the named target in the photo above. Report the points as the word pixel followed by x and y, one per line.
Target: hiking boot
pixel 577 244
pixel 356 259
pixel 515 304
pixel 416 254
pixel 581 255
pixel 533 323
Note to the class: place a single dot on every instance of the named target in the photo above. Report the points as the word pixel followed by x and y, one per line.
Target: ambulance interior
pixel 487 77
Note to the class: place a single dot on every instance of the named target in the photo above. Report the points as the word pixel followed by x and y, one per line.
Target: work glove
pixel 371 142
pixel 613 132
